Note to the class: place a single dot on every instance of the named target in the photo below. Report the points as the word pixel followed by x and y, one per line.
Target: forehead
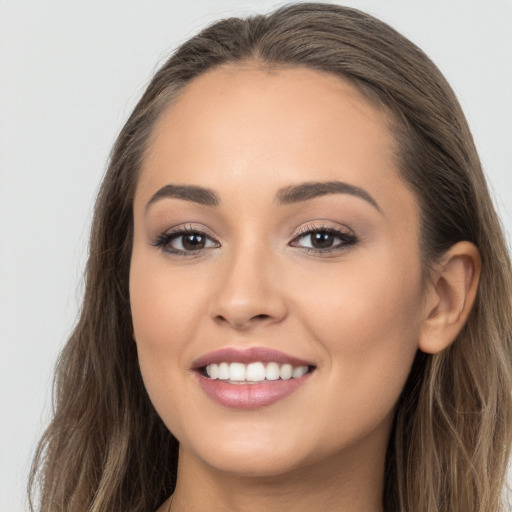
pixel 234 99
pixel 260 129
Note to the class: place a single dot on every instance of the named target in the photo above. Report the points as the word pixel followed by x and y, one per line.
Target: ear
pixel 450 296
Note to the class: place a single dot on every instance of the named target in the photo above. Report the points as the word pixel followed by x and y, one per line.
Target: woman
pixel 295 267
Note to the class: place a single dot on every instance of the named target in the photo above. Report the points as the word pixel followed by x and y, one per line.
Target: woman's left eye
pixel 322 240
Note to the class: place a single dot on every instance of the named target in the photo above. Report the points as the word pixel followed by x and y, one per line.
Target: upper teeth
pixel 254 372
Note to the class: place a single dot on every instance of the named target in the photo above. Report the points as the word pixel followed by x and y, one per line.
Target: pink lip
pixel 248 396
pixel 248 355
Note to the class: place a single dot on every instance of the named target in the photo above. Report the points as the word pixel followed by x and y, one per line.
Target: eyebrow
pixel 306 191
pixel 285 196
pixel 192 193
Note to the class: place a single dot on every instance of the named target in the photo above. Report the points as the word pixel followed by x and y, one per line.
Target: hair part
pixel 107 449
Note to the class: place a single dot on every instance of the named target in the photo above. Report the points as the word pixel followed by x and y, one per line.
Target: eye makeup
pixel 189 240
pixel 185 240
pixel 324 239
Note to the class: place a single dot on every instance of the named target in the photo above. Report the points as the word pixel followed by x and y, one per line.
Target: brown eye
pixel 324 240
pixel 188 242
pixel 185 242
pixel 193 241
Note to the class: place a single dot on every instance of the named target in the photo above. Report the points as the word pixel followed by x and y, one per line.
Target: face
pixel 274 240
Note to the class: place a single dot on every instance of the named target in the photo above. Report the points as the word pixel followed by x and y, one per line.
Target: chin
pixel 253 464
pixel 257 456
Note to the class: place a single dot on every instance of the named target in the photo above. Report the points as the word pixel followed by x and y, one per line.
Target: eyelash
pixel 163 241
pixel 347 239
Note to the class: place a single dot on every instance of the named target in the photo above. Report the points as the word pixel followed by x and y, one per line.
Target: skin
pixel 359 313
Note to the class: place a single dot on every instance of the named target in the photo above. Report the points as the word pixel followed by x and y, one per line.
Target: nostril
pixel 239 323
pixel 261 317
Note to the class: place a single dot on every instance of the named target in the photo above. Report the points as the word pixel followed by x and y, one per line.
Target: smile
pixel 254 372
pixel 250 378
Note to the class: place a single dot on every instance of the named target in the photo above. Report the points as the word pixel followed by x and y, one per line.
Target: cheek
pixel 165 304
pixel 367 319
pixel 366 301
pixel 165 312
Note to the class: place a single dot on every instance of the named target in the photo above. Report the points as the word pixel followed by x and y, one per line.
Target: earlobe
pixel 450 297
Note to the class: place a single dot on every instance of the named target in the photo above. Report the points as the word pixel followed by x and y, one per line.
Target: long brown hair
pixel 106 448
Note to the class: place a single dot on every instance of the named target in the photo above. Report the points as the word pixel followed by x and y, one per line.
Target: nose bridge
pixel 248 289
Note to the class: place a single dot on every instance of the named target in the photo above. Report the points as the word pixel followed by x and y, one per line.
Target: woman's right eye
pixel 185 242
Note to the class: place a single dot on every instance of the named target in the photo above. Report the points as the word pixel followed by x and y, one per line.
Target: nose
pixel 249 292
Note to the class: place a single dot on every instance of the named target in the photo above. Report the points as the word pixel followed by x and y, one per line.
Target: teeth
pixel 213 371
pixel 237 371
pixel 299 371
pixel 254 372
pixel 272 371
pixel 223 371
pixel 286 371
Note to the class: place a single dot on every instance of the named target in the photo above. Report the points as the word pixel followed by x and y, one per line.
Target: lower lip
pixel 249 396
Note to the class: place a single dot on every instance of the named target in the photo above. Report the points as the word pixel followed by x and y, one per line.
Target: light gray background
pixel 70 72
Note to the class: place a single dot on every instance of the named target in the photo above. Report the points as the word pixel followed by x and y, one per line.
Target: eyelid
pixel 190 227
pixel 324 226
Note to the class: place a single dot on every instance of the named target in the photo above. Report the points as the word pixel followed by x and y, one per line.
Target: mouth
pixel 250 378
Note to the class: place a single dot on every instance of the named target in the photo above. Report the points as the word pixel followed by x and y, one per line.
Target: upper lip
pixel 248 355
